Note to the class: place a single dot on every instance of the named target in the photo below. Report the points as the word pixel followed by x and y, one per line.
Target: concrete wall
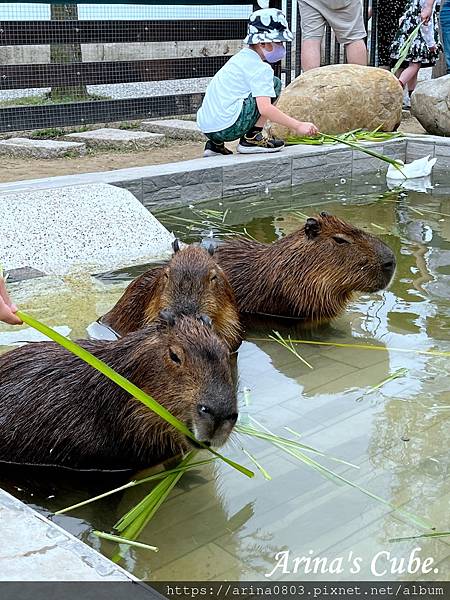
pixel 15 55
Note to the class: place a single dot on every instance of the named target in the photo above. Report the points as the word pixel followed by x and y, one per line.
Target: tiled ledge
pixel 203 179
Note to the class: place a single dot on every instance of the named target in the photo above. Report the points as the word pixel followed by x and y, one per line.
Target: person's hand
pixel 304 128
pixel 7 308
pixel 426 13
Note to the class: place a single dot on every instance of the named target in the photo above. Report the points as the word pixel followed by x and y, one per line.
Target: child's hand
pixel 304 128
pixel 7 309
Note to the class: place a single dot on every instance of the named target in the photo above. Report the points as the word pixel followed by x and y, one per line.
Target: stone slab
pixel 214 177
pixel 35 549
pixel 29 148
pixel 118 139
pixel 178 129
pixel 88 228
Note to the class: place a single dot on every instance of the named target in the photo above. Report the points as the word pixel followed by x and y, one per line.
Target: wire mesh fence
pixel 64 63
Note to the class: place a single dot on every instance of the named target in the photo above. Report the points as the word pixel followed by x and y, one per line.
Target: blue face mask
pixel 277 53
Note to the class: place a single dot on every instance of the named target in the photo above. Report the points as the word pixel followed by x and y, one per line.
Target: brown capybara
pixel 57 410
pixel 190 284
pixel 311 273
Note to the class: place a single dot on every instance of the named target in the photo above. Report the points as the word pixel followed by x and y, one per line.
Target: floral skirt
pixel 419 50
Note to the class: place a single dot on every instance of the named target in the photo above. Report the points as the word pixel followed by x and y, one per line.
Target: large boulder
pixel 430 104
pixel 339 98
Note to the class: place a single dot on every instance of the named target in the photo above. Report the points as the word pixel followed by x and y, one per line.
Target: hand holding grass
pixel 7 308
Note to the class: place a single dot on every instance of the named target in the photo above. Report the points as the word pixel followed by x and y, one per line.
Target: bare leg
pixel 310 54
pixel 410 73
pixel 412 83
pixel 357 53
pixel 261 122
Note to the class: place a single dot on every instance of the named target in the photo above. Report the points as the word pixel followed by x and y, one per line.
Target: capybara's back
pixel 190 284
pixel 311 274
pixel 57 410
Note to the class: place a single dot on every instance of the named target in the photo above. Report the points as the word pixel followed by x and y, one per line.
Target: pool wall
pixel 202 179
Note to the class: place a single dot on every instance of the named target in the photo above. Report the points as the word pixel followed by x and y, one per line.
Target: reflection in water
pixel 220 525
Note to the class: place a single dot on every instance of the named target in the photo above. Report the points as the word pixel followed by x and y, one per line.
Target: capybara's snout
pixel 214 420
pixel 388 265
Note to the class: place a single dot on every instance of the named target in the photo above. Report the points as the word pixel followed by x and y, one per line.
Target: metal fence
pixel 64 64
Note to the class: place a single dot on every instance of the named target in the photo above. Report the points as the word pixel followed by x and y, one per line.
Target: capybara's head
pixel 192 283
pixel 346 257
pixel 198 386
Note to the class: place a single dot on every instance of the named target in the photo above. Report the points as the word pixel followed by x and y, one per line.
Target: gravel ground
pixel 126 90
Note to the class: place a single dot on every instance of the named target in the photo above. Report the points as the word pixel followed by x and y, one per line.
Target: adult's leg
pixel 445 27
pixel 313 27
pixel 310 54
pixel 348 25
pixel 357 53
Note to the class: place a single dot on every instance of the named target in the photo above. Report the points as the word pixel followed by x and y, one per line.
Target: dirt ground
pixel 16 169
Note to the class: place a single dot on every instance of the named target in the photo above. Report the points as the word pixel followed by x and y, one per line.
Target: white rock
pixel 430 104
pixel 89 228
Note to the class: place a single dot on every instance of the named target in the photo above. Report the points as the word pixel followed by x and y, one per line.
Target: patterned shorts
pixel 246 120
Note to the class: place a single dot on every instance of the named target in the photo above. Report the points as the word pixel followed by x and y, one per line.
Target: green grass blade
pixel 405 48
pixel 134 483
pixel 263 471
pixel 435 534
pixel 419 521
pixel 121 540
pixel 134 521
pixel 121 381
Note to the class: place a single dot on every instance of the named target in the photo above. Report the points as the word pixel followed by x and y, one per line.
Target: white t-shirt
pixel 244 74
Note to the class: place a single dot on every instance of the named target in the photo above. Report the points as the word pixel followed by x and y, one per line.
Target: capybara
pixel 311 273
pixel 57 410
pixel 190 284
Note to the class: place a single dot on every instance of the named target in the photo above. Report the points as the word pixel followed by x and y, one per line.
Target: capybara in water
pixel 311 273
pixel 190 284
pixel 57 410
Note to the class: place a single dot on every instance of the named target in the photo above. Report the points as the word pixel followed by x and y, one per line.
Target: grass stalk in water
pixel 134 521
pixel 277 337
pixel 358 346
pixel 125 384
pixel 121 540
pixel 435 534
pixel 135 482
pixel 396 375
pixel 264 433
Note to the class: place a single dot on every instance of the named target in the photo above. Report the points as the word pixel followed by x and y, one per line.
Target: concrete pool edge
pixel 202 179
pixel 36 549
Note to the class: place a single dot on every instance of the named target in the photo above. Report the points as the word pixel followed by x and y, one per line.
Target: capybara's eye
pixel 203 410
pixel 340 240
pixel 213 276
pixel 166 275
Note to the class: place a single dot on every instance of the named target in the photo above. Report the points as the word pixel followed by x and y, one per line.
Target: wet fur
pixel 57 410
pixel 307 274
pixel 184 286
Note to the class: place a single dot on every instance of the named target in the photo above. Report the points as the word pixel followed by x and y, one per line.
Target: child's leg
pixel 410 73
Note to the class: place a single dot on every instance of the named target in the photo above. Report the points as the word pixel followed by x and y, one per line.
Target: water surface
pixel 219 524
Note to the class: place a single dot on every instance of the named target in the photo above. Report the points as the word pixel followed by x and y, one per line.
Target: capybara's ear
pixel 167 317
pixel 312 228
pixel 176 245
pixel 324 214
pixel 205 320
pixel 176 355
pixel 211 249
